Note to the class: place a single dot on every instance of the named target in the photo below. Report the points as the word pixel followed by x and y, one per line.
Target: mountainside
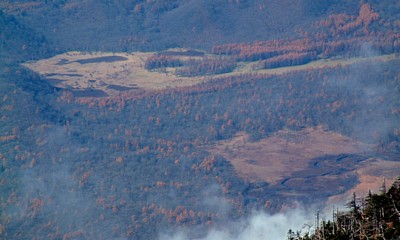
pixel 260 106
pixel 131 25
pixel 19 42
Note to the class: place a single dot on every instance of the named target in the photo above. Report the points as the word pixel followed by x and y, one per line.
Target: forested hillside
pixel 138 24
pixel 148 168
pixel 19 42
pixel 144 161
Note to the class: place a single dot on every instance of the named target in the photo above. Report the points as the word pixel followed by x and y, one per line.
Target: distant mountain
pixel 138 24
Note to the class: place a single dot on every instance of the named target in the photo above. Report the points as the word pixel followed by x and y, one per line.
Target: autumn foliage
pixel 289 59
pixel 338 34
pixel 133 164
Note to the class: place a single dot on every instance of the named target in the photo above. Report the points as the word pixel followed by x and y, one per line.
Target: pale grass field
pixel 277 157
pixel 274 158
pixel 251 67
pixel 129 73
pixel 115 76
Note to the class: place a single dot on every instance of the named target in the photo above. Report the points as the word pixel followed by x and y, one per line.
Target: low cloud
pixel 259 226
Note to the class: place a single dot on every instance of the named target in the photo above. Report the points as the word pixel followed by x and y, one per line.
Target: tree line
pixel 375 217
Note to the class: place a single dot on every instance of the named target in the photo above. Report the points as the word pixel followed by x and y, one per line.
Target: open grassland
pixel 101 74
pixel 320 63
pixel 278 156
pixel 108 73
pixel 297 162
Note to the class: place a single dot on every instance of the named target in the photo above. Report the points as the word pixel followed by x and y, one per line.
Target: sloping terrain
pixel 302 162
pixel 19 42
pixel 105 143
pixel 369 175
pixel 100 74
pixel 103 74
pixel 139 24
pixel 134 163
pixel 280 155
